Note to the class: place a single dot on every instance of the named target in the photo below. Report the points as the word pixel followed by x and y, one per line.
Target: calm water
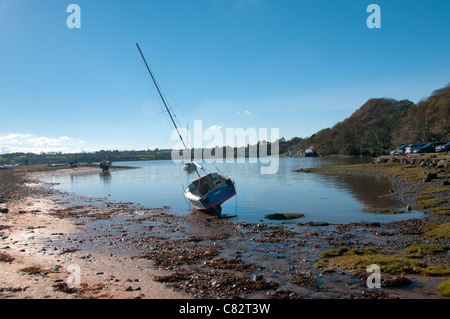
pixel 334 199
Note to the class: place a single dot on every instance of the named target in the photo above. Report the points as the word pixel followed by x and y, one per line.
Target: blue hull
pixel 214 197
pixel 104 167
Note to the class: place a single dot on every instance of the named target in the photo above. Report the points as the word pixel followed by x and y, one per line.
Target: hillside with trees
pixel 381 125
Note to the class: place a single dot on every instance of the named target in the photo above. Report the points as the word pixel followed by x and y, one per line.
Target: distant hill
pixel 383 124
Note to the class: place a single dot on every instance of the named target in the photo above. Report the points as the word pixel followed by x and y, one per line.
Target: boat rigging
pixel 207 192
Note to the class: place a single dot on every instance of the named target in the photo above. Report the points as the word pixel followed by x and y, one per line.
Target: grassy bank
pixel 408 172
pixel 410 262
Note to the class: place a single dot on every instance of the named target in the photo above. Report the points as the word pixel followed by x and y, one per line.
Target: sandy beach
pixel 57 245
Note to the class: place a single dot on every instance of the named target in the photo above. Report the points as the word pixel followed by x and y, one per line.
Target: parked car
pixel 410 148
pixel 443 148
pixel 428 148
pixel 400 150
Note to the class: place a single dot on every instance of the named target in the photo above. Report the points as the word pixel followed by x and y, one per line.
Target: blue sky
pixel 296 65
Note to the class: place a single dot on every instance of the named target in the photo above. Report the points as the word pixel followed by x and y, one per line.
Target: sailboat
pixel 105 165
pixel 209 191
pixel 188 166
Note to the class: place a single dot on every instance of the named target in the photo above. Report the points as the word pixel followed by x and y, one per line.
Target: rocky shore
pixel 49 240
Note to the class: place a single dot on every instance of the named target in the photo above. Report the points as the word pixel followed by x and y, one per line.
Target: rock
pixel 445 164
pixel 318 224
pixel 429 177
pixel 396 282
pixel 285 294
pixel 381 160
pixel 284 216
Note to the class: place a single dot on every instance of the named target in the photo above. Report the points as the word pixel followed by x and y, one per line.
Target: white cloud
pixel 246 112
pixel 12 137
pixel 216 127
pixel 16 142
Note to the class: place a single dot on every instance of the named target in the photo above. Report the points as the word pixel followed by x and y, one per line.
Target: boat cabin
pixel 204 184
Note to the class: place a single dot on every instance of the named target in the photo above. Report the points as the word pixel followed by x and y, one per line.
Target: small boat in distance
pixel 105 165
pixel 207 192
pixel 74 164
pixel 188 166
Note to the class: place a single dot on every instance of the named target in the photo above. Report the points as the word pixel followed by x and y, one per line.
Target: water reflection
pixel 189 171
pixel 105 177
pixel 372 191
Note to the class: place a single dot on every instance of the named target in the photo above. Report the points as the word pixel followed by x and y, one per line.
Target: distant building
pixel 291 151
pixel 311 151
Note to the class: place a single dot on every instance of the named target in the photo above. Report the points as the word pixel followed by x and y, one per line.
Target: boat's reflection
pixel 105 177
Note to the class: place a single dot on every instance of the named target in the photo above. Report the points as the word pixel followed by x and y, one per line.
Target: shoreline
pixel 44 235
pixel 129 251
pixel 45 169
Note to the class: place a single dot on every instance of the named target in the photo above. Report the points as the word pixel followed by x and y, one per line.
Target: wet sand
pixel 124 250
pixel 44 242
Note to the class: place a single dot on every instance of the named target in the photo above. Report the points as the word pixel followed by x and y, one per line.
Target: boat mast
pixel 165 105
pixel 162 97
